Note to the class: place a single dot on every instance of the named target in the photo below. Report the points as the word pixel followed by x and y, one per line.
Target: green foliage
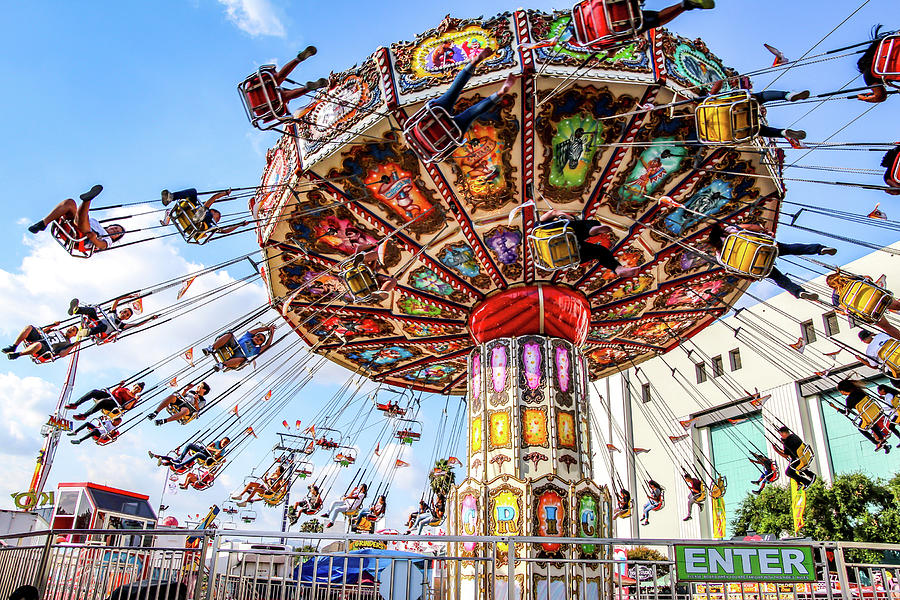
pixel 312 526
pixel 854 508
pixel 769 512
pixel 649 554
pixel 442 478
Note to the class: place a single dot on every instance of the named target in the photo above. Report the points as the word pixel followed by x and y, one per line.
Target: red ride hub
pixel 538 309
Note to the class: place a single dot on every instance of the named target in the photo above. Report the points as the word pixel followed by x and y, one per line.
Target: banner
pixel 719 519
pixel 698 562
pixel 798 505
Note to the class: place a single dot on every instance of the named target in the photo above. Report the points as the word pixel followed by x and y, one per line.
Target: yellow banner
pixel 719 520
pixel 798 505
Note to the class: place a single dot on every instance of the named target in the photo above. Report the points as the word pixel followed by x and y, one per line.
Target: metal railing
pixel 259 565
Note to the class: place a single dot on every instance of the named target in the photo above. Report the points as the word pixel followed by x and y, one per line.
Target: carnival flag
pixel 454 462
pixel 687 423
pixel 719 519
pixel 612 448
pixel 798 505
pixel 641 450
pixel 799 345
pixel 268 396
pixel 235 411
pixel 677 438
pixel 138 305
pixel 736 421
pixel 184 287
pixel 173 382
pixel 311 430
pixel 378 449
pixel 881 281
pixel 189 356
pixel 251 432
pixel 780 58
pixel 401 463
pixel 832 354
pixel 297 426
pixel 877 213
pixel 285 423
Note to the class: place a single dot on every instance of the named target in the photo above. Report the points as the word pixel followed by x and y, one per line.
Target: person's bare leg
pixel 166 401
pixel 67 208
pixel 24 334
pixel 223 340
pixel 179 415
pixel 234 362
pixel 31 349
pixel 668 14
pixel 888 328
pixel 82 218
pixel 555 214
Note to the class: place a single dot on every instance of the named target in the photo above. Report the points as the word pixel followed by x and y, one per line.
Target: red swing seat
pixel 68 236
pixel 603 22
pixel 432 133
pixel 886 63
pixel 313 509
pixel 104 440
pixel 262 98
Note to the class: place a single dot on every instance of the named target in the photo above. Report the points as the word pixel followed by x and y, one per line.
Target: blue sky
pixel 141 96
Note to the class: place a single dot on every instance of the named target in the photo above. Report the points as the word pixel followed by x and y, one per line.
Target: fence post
pixel 213 561
pixel 43 573
pixel 510 570
pixel 841 569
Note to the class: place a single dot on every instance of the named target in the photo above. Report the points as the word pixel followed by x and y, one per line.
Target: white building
pixel 709 379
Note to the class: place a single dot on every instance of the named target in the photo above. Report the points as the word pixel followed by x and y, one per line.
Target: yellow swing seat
pixel 804 457
pixel 718 488
pixel 360 281
pixel 866 301
pixel 889 355
pixel 188 219
pixel 749 254
pixel 554 246
pixel 727 118
pixel 869 413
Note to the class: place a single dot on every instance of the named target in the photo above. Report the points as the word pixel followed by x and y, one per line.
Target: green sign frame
pixel 766 563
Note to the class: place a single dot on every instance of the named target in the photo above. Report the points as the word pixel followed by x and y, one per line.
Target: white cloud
pixel 255 17
pixel 24 404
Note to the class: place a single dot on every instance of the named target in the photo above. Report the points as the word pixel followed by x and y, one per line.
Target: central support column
pixel 530 468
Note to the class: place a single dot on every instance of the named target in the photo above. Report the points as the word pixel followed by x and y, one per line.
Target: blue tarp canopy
pixel 361 566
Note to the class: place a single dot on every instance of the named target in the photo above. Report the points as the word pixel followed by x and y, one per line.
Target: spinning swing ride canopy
pixel 343 178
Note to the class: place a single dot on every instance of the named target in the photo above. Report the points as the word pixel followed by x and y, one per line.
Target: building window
pixel 734 359
pixel 718 367
pixel 808 332
pixel 700 369
pixel 831 324
pixel 645 393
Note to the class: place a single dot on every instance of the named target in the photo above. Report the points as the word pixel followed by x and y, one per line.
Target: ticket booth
pixel 94 506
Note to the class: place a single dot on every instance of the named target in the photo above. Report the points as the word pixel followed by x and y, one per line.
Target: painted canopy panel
pixel 570 135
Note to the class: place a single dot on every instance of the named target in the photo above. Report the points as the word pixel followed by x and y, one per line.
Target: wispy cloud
pixel 256 17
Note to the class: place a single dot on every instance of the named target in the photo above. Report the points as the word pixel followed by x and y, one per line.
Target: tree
pixel 649 554
pixel 312 526
pixel 442 478
pixel 854 508
pixel 768 512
